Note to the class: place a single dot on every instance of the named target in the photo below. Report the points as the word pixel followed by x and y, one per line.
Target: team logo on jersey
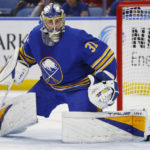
pixel 92 46
pixel 51 71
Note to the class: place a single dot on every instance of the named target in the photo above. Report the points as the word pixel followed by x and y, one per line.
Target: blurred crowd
pixel 33 8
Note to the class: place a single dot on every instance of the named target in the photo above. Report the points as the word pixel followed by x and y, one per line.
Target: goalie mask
pixel 53 21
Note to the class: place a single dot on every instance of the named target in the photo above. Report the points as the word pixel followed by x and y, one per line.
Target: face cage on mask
pixel 54 34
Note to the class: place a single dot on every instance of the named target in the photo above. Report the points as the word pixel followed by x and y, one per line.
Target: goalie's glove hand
pixel 101 94
pixel 21 71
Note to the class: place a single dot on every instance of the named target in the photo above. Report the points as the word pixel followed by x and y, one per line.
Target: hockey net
pixel 133 49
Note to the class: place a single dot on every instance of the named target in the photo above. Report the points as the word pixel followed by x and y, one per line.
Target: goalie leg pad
pixel 82 127
pixel 18 113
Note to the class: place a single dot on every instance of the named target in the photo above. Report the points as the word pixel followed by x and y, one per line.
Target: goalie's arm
pixel 17 66
pixel 26 55
pixel 100 57
pixel 15 70
pixel 25 60
pixel 103 89
pixel 102 94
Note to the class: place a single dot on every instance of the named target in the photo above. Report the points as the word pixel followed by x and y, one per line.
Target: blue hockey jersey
pixel 67 64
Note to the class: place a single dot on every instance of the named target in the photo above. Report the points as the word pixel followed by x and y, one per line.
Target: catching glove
pixel 101 94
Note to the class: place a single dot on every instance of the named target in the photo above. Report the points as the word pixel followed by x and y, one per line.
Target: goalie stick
pixel 2 103
pixel 8 70
pixel 9 66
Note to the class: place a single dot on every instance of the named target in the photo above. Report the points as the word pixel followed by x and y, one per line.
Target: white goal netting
pixel 136 50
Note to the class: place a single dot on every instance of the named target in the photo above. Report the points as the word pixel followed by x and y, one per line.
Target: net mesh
pixel 136 50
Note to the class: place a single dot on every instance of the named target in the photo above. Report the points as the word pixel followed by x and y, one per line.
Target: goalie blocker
pixel 82 127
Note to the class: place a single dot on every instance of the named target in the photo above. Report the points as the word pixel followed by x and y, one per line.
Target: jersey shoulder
pixel 79 34
pixel 36 31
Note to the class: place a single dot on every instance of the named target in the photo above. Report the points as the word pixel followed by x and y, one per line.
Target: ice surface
pixel 46 135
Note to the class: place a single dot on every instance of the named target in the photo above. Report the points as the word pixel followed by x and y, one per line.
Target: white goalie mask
pixel 53 20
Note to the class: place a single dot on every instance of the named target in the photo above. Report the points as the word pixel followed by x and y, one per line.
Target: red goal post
pixel 133 40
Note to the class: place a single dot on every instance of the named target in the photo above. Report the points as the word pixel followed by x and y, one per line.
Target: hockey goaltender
pixel 78 70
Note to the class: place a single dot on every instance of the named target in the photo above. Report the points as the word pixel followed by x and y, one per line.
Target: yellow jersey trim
pixel 100 58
